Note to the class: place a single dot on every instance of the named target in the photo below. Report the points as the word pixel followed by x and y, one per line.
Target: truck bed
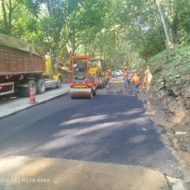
pixel 13 62
pixel 18 57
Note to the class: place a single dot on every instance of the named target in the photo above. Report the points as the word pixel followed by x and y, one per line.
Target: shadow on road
pixel 109 128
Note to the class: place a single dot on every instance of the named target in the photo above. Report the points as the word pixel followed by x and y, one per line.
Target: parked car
pixel 117 73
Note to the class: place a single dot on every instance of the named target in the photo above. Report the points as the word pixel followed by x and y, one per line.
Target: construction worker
pixel 135 83
pixel 147 80
pixel 108 76
pixel 126 78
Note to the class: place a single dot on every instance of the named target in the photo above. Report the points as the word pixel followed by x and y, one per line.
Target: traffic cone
pixel 32 99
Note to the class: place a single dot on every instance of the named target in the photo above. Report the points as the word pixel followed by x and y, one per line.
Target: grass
pixel 172 65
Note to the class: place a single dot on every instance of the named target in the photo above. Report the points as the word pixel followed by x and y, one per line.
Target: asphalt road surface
pixel 111 128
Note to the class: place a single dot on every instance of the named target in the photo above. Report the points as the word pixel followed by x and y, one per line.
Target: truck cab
pixel 51 75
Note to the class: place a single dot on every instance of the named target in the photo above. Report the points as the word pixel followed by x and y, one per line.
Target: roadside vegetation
pixel 124 32
pixel 171 66
pixel 170 96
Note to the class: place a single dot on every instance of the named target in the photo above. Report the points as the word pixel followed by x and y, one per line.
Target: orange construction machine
pixel 83 83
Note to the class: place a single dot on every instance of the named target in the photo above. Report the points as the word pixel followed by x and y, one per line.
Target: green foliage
pixel 172 65
pixel 181 12
pixel 121 31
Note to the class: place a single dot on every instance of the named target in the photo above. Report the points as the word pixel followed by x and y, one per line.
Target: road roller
pixel 82 84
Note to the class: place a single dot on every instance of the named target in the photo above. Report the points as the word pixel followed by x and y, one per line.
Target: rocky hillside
pixel 170 92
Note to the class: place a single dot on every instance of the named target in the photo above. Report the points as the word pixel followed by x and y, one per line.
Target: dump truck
pixel 24 65
pixel 83 83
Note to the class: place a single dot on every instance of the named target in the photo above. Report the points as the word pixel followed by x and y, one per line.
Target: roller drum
pixel 81 93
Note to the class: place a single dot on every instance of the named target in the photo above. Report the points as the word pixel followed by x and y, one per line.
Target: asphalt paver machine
pixel 83 84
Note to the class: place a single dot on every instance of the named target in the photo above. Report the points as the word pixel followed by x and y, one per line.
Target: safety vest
pixel 135 80
pixel 107 75
pixel 126 73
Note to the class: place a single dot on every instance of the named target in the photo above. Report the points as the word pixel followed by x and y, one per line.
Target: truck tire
pixel 40 86
pixel 94 92
pixel 102 85
pixel 59 82
pixel 26 91
pixel 91 95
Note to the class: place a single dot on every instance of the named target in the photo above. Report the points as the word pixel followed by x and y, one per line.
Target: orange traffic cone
pixel 32 99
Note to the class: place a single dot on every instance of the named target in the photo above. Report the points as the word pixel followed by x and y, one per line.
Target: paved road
pixel 111 128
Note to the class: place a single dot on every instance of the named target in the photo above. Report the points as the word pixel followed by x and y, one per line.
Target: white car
pixel 118 73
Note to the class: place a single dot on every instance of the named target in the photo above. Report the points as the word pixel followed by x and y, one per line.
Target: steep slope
pixel 170 96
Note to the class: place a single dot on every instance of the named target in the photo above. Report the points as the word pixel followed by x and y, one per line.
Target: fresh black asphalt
pixel 111 128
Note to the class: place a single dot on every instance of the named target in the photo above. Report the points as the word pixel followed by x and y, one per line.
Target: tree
pixel 114 29
pixel 169 43
pixel 8 8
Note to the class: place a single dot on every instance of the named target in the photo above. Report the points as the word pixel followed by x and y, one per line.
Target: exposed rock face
pixel 178 107
pixel 174 100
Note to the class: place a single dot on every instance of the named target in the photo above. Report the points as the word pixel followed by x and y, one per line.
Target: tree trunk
pixel 169 43
pixel 5 19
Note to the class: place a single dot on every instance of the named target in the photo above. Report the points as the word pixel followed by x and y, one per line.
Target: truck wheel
pixel 91 94
pixel 59 82
pixel 40 86
pixel 94 92
pixel 25 91
pixel 31 83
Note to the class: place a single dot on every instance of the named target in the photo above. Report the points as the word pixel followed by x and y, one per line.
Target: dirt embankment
pixel 173 110
pixel 166 93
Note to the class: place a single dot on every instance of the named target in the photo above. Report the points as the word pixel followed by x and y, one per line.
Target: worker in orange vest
pixel 135 83
pixel 108 76
pixel 126 78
